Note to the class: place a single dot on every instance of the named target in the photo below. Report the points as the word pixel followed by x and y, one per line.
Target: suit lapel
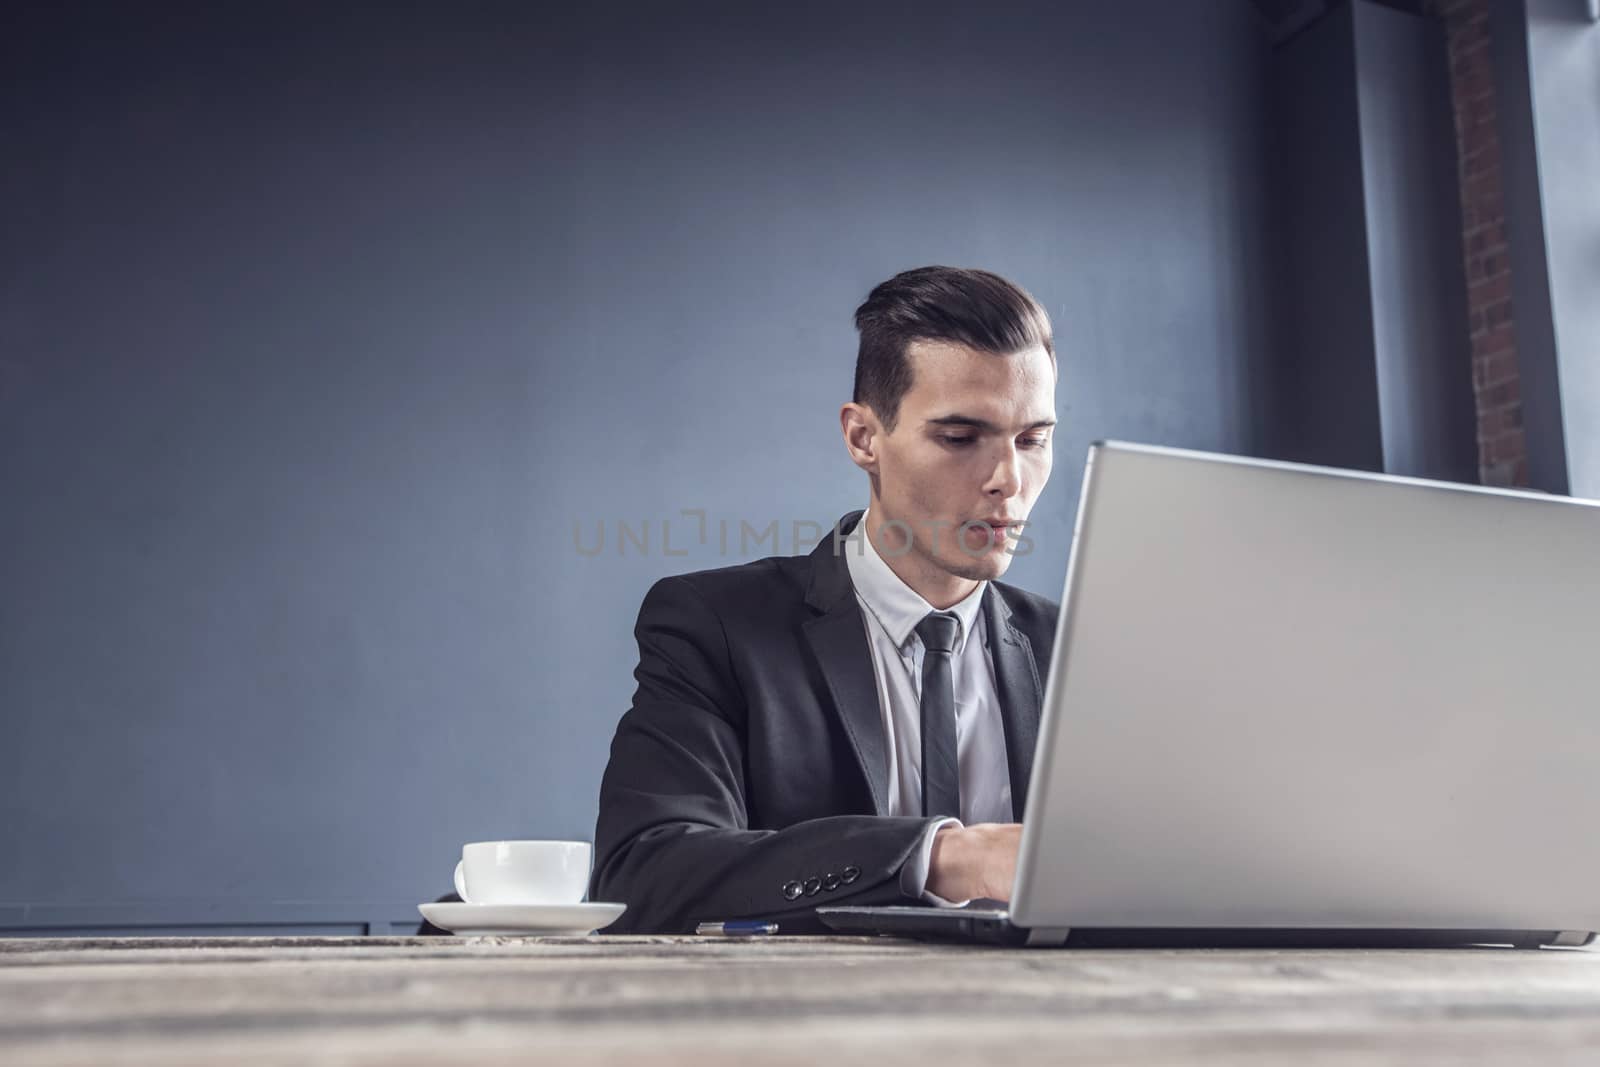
pixel 838 639
pixel 1016 679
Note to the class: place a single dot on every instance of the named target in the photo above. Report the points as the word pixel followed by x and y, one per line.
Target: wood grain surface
pixel 813 1001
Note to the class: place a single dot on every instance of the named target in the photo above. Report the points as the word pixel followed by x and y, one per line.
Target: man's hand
pixel 975 861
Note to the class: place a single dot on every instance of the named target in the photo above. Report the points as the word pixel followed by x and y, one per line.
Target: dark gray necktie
pixel 941 777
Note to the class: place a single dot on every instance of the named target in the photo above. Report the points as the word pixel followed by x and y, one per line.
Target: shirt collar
pixel 897 607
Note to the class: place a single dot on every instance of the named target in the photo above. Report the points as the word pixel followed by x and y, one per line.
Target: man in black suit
pixel 820 729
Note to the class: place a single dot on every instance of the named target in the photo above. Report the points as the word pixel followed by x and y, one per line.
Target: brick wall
pixel 1502 449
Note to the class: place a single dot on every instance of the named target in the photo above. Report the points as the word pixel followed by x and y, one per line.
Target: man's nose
pixel 1006 479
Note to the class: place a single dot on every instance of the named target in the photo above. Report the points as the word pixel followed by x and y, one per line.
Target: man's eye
pixel 1033 442
pixel 951 439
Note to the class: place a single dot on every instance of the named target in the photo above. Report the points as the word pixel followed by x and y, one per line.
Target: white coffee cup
pixel 524 872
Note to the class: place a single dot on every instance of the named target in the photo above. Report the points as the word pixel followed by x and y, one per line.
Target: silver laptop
pixel 1300 705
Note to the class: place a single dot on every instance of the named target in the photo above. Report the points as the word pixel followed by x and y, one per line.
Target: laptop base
pixel 994 927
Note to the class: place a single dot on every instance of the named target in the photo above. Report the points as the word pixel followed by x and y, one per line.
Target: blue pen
pixel 736 928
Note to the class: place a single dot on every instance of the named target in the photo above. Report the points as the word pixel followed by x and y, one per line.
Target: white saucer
pixel 476 920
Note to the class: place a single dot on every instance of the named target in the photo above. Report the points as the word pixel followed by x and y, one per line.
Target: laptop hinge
pixel 1047 936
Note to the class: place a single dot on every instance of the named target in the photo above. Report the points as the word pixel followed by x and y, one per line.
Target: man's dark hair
pixel 969 307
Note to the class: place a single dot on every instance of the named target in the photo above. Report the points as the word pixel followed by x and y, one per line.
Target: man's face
pixel 968 456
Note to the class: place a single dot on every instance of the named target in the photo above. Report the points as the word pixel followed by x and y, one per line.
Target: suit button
pixel 812 885
pixel 791 890
pixel 851 874
pixel 830 881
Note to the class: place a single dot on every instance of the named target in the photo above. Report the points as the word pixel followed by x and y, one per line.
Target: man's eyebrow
pixel 984 424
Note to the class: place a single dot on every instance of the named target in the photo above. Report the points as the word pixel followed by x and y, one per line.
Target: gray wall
pixel 1546 57
pixel 1538 376
pixel 1372 323
pixel 1418 285
pixel 324 326
pixel 1326 374
pixel 1564 66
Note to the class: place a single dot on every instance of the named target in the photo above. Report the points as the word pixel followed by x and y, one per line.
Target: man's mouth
pixel 1000 530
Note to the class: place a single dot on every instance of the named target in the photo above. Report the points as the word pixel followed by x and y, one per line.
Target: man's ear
pixel 861 429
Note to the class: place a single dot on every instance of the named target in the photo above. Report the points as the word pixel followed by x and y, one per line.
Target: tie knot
pixel 938 631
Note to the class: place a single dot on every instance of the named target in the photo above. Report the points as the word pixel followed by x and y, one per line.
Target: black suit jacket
pixel 749 779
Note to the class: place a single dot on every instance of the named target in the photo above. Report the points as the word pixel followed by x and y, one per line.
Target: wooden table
pixel 811 1001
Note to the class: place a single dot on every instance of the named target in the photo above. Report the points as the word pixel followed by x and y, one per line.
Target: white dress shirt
pixel 891 610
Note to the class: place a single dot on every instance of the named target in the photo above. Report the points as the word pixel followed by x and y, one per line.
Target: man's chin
pixel 979 569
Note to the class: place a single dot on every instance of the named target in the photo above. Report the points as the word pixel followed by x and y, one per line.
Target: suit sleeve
pixel 672 840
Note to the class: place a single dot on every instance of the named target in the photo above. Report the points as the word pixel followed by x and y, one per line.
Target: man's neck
pixel 938 587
